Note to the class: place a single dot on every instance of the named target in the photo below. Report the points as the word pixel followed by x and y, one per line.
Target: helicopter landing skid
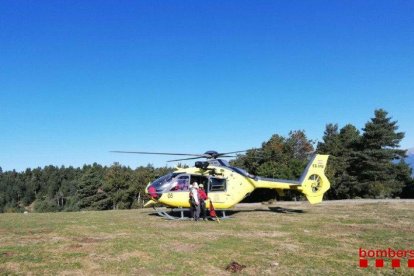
pixel 163 212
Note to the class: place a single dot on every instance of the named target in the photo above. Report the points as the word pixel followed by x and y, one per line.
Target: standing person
pixel 190 200
pixel 203 197
pixel 194 202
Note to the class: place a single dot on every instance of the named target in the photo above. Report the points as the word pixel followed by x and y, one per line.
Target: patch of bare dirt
pixel 8 254
pixel 75 246
pixel 89 240
pixel 101 238
pixel 235 267
pixel 40 231
pixel 116 235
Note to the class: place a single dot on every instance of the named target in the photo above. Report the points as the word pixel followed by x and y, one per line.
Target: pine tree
pixel 90 193
pixel 116 184
pixel 341 146
pixel 349 138
pixel 377 161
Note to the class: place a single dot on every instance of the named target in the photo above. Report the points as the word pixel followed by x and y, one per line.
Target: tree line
pixel 361 165
pixel 92 187
pixel 367 164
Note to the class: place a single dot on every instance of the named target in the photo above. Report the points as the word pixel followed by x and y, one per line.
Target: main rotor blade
pixel 223 153
pixel 191 158
pixel 159 153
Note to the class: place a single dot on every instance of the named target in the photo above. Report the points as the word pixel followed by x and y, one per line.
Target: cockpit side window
pixel 181 183
pixel 217 184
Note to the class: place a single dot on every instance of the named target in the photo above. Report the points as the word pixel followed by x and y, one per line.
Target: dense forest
pixel 92 187
pixel 367 164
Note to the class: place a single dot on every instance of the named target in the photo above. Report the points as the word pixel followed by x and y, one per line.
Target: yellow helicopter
pixel 227 185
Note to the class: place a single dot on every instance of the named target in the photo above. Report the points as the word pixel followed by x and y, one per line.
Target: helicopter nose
pixel 149 203
pixel 152 192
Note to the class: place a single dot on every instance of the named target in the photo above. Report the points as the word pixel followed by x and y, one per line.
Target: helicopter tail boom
pixel 313 183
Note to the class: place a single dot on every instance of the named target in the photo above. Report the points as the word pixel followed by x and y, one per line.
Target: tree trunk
pixel 139 199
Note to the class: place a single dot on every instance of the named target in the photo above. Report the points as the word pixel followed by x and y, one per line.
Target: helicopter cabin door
pixel 217 188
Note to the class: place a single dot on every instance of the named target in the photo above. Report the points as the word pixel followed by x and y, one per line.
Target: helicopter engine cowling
pixel 201 165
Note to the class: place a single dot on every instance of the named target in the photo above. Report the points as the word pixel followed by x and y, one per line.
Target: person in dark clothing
pixel 202 197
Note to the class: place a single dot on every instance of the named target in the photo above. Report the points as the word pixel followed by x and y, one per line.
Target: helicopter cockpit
pixel 163 183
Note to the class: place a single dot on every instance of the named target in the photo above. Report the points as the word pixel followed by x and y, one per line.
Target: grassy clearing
pixel 286 238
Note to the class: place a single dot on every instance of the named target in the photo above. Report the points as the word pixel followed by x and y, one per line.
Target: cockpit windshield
pixel 163 182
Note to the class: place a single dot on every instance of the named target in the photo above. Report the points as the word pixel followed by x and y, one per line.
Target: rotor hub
pixel 211 154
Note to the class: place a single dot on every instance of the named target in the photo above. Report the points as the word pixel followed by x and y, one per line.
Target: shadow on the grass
pixel 275 209
pixel 229 213
pixel 286 210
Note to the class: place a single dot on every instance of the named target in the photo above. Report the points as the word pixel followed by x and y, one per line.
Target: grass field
pixel 284 238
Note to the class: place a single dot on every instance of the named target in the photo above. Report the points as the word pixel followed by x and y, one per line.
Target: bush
pixel 43 206
pixel 71 205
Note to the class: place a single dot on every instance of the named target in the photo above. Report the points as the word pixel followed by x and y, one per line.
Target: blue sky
pixel 80 79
